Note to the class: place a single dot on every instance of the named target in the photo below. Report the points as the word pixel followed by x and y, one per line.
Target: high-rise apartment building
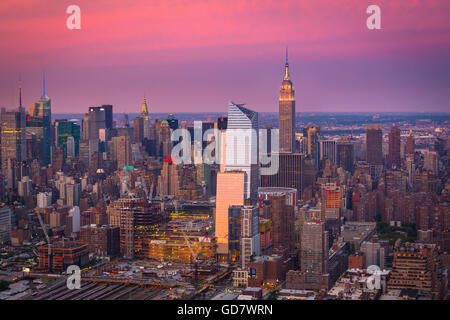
pixel 328 150
pixel 169 179
pixel 283 202
pixel 374 144
pixel 410 143
pixel 417 266
pixel 345 155
pixel 394 159
pixel 121 150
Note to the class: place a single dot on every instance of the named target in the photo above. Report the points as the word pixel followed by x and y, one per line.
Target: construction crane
pixel 194 257
pixel 48 242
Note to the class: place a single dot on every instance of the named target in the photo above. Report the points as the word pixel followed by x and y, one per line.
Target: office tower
pixel 145 120
pixel 286 112
pixel 312 135
pixel 374 144
pixel 345 155
pixel 168 180
pixel 5 224
pixel 242 147
pixel 134 217
pixel 138 129
pixel 99 118
pixel 417 266
pixel 294 172
pixel 410 143
pixel 39 121
pixel 283 202
pixel 63 130
pixel 431 161
pixel 374 253
pixel 394 160
pixel 230 191
pixel 328 150
pixel 173 122
pixel 314 255
pixel 121 149
pixel 13 138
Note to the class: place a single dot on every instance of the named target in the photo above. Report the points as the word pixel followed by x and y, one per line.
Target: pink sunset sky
pixel 196 55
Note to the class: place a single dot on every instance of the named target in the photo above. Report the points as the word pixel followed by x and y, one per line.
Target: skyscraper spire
pixel 286 67
pixel 287 63
pixel 43 85
pixel 20 92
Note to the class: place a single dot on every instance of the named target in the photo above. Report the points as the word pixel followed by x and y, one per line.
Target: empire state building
pixel 286 112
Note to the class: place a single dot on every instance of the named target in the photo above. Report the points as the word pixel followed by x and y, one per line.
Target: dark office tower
pixel 39 122
pixel 286 112
pixel 173 122
pixel 312 135
pixel 222 123
pixel 63 130
pixel 138 129
pixel 293 172
pixel 374 144
pixel 13 138
pixel 126 120
pixel 100 118
pixel 394 159
pixel 345 156
pixel 410 143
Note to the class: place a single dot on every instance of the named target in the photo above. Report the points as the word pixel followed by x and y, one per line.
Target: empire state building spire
pixel 286 67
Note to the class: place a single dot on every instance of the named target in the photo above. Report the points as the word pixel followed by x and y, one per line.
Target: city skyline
pixel 337 64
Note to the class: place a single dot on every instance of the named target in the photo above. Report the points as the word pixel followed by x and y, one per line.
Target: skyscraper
pixel 145 119
pixel 65 129
pixel 374 144
pixel 13 138
pixel 312 135
pixel 230 191
pixel 99 118
pixel 121 151
pixel 410 143
pixel 345 155
pixel 286 112
pixel 39 121
pixel 394 159
pixel 242 146
pixel 314 255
